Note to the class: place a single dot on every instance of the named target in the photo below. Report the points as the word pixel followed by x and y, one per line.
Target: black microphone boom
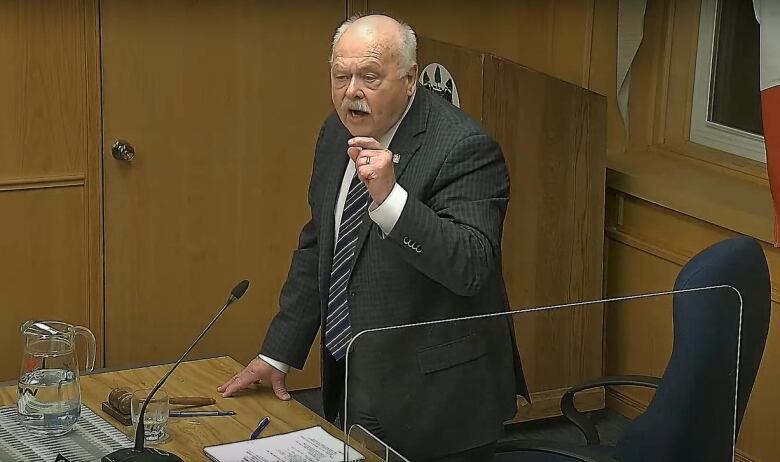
pixel 139 453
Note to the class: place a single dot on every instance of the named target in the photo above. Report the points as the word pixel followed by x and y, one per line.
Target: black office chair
pixel 691 416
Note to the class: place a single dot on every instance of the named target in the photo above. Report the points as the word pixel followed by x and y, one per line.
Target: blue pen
pixel 260 427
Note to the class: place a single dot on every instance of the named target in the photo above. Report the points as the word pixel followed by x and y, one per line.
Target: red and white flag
pixel 768 16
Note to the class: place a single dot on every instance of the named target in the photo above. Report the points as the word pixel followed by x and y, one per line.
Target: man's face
pixel 367 88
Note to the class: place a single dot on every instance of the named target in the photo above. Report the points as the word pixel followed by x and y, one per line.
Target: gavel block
pixel 118 405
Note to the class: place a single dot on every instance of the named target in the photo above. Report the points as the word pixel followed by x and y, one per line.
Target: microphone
pixel 140 454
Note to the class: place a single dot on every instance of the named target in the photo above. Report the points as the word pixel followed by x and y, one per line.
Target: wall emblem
pixel 437 78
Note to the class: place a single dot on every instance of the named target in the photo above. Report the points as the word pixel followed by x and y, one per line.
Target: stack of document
pixel 309 445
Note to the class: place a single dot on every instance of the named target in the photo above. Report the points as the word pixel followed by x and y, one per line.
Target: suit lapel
pixel 406 143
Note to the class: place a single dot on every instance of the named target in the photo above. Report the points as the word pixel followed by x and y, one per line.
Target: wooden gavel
pixel 120 398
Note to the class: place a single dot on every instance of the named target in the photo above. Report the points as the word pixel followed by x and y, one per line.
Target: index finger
pixel 222 387
pixel 241 382
pixel 365 142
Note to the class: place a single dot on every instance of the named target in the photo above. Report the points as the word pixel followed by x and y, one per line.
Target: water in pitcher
pixel 48 395
pixel 49 401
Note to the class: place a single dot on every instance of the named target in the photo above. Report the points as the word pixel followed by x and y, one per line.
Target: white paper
pixel 310 445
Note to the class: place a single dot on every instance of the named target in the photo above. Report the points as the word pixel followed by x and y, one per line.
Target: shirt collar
pixel 387 138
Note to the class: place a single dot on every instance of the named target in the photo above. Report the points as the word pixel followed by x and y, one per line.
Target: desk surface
pixel 199 378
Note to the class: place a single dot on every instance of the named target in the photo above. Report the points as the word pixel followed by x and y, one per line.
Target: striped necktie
pixel 338 330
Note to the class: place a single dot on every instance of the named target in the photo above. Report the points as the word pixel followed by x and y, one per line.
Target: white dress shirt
pixel 385 215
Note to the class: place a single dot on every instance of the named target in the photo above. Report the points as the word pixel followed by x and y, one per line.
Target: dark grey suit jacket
pixel 433 390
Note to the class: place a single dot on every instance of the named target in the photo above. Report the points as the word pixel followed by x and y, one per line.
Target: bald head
pixel 388 36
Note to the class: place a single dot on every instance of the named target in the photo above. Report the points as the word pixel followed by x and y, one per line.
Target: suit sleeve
pixel 292 331
pixel 454 237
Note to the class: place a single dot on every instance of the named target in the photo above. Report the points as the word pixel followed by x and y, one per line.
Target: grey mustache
pixel 356 105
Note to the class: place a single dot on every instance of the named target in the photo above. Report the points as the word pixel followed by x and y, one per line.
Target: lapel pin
pixel 396 158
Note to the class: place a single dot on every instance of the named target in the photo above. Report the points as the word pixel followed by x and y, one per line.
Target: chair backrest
pixel 691 416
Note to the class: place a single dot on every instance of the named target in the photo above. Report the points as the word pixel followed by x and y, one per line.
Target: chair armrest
pixel 576 453
pixel 581 420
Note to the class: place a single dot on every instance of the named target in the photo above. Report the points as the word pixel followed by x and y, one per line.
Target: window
pixel 726 112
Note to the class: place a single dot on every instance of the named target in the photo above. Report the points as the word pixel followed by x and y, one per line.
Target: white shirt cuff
pixel 387 214
pixel 282 367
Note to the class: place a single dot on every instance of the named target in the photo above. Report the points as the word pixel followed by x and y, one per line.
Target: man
pixel 408 197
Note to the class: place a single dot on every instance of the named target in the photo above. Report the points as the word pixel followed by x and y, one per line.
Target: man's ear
pixel 412 82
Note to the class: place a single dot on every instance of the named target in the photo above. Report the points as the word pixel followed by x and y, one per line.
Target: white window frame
pixel 704 131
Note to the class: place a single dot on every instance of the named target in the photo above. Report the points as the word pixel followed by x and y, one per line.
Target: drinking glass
pixel 156 416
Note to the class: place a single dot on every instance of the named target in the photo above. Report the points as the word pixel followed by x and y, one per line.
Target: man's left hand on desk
pixel 255 371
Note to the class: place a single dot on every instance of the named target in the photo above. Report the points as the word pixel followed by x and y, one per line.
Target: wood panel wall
pixel 553 239
pixel 573 40
pixel 550 36
pixel 50 208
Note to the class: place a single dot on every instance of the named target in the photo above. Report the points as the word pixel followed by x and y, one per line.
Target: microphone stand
pixel 139 453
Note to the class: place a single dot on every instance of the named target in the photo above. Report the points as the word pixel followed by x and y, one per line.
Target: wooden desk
pixel 199 378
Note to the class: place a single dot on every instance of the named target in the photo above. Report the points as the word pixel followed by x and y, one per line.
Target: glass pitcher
pixel 48 393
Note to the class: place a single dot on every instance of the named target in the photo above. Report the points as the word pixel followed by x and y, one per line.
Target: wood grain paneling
pixel 355 7
pixel 550 36
pixel 43 86
pixel 49 201
pixel 553 235
pixel 223 104
pixel 44 267
pixel 650 223
pixel 647 249
pixel 712 194
pixel 94 176
pixel 20 184
pixel 647 350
